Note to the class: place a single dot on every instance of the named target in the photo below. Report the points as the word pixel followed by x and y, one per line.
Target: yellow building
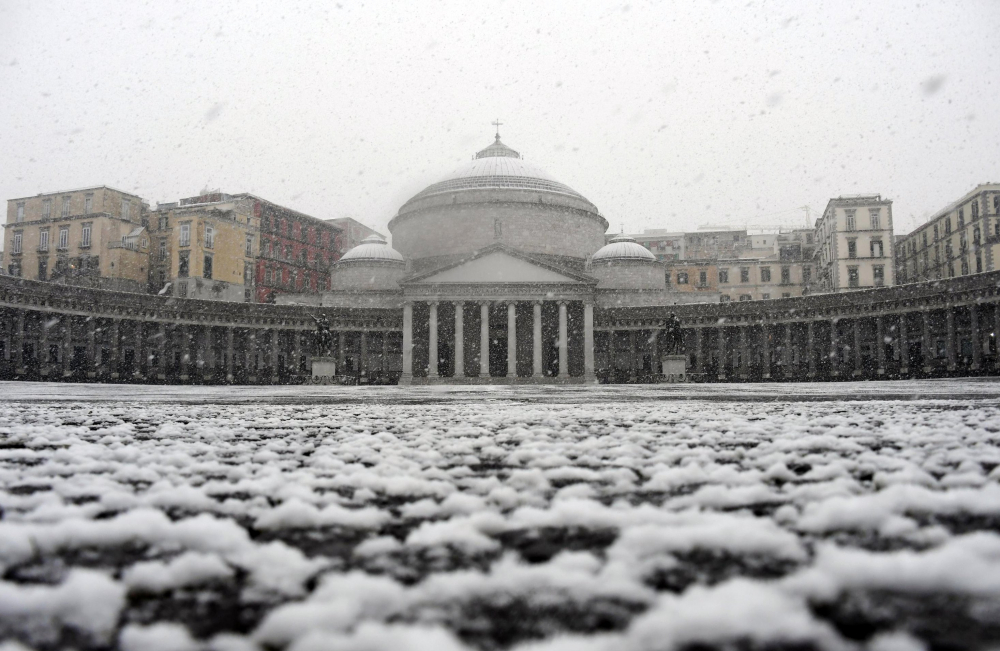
pixel 961 239
pixel 701 276
pixel 757 280
pixel 204 247
pixel 93 236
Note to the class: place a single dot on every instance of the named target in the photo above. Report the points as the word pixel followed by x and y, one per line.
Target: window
pixel 809 238
pixel 852 247
pixel 682 278
pixel 183 264
pixel 724 298
pixel 806 274
pixel 15 269
pixel 765 297
pixel 182 290
pixel 88 204
pixel 786 295
pixel 976 235
pixel 16 245
pixel 745 297
pixel 288 253
pixel 247 272
pixel 786 275
pixel 875 215
pixel 43 268
pixel 963 244
pixel 937 256
pixel 852 277
pixel 207 269
pixel 723 276
pixel 162 275
pixel 185 235
pixel 765 274
pixel 979 263
pixel 20 211
pixel 65 207
pixel 947 225
pixel 951 269
pixel 163 249
pixel 936 232
pixel 249 250
pixel 878 274
pixel 975 210
pixel 961 218
pixel 925 237
pixel 965 267
pixel 47 209
pixel 163 222
pixel 85 231
pixel 702 278
pixel 876 248
pixel 850 220
pixel 209 237
pixel 126 208
pixel 64 237
pixel 744 275
pixel 302 257
pixel 947 249
pixel 43 240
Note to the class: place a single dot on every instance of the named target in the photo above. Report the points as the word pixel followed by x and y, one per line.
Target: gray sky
pixel 665 115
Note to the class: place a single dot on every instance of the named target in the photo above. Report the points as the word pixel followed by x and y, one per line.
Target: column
pixel 275 349
pixel 857 347
pixel 341 353
pixel 162 373
pixel 810 347
pixel 229 353
pixel 365 365
pixel 926 345
pixel 406 377
pixel 744 354
pixel 765 332
pixel 459 339
pixel 950 342
pixel 185 351
pixel 250 354
pixel 67 344
pixel 432 343
pixel 699 361
pixel 904 346
pixel 43 344
pixel 722 353
pixel 384 366
pixel 484 339
pixel 115 324
pixel 536 339
pixel 296 364
pixel 137 371
pixel 880 343
pixel 209 355
pixel 786 353
pixel 632 353
pixel 563 341
pixel 996 334
pixel 834 349
pixel 511 339
pixel 588 342
pixel 19 343
pixel 977 340
pixel 92 346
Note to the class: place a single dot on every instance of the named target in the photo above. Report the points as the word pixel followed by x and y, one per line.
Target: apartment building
pixel 352 232
pixel 95 237
pixel 761 280
pixel 694 277
pixel 296 250
pixel 961 239
pixel 666 245
pixel 713 244
pixel 854 245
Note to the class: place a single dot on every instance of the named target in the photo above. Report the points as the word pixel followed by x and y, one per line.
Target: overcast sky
pixel 665 115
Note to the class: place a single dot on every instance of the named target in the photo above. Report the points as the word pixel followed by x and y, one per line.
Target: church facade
pixel 497 271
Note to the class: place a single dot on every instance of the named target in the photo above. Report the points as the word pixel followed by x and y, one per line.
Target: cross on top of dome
pixel 497 149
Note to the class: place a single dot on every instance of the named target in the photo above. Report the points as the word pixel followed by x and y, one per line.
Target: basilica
pixel 497 270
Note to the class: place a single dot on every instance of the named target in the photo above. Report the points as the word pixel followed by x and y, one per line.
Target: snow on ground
pixel 814 516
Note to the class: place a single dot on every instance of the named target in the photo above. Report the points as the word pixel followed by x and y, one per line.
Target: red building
pixel 296 252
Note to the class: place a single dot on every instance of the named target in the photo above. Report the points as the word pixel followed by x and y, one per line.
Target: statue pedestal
pixel 324 367
pixel 674 368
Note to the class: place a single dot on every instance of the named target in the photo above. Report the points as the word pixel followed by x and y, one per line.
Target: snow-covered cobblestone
pixel 533 519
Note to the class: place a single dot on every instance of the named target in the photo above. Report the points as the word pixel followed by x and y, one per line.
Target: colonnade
pixel 461 356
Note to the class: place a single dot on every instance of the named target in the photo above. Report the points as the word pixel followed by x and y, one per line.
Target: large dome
pixel 496 198
pixel 498 167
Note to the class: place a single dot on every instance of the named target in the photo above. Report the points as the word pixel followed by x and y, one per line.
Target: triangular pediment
pixel 497 267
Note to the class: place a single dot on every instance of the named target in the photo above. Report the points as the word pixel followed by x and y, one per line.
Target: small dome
pixel 372 248
pixel 623 247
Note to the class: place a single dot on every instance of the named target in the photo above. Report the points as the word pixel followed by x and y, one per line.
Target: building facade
pixel 352 232
pixel 961 239
pixel 761 280
pixel 854 245
pixel 667 246
pixel 93 237
pixel 296 251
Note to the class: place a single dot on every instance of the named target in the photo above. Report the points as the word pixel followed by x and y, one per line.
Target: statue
pixel 673 340
pixel 324 338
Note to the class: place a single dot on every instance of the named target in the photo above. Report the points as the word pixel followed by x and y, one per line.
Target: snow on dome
pixel 498 167
pixel 623 247
pixel 372 248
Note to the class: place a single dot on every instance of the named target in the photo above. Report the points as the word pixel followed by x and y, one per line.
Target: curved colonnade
pixel 56 332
